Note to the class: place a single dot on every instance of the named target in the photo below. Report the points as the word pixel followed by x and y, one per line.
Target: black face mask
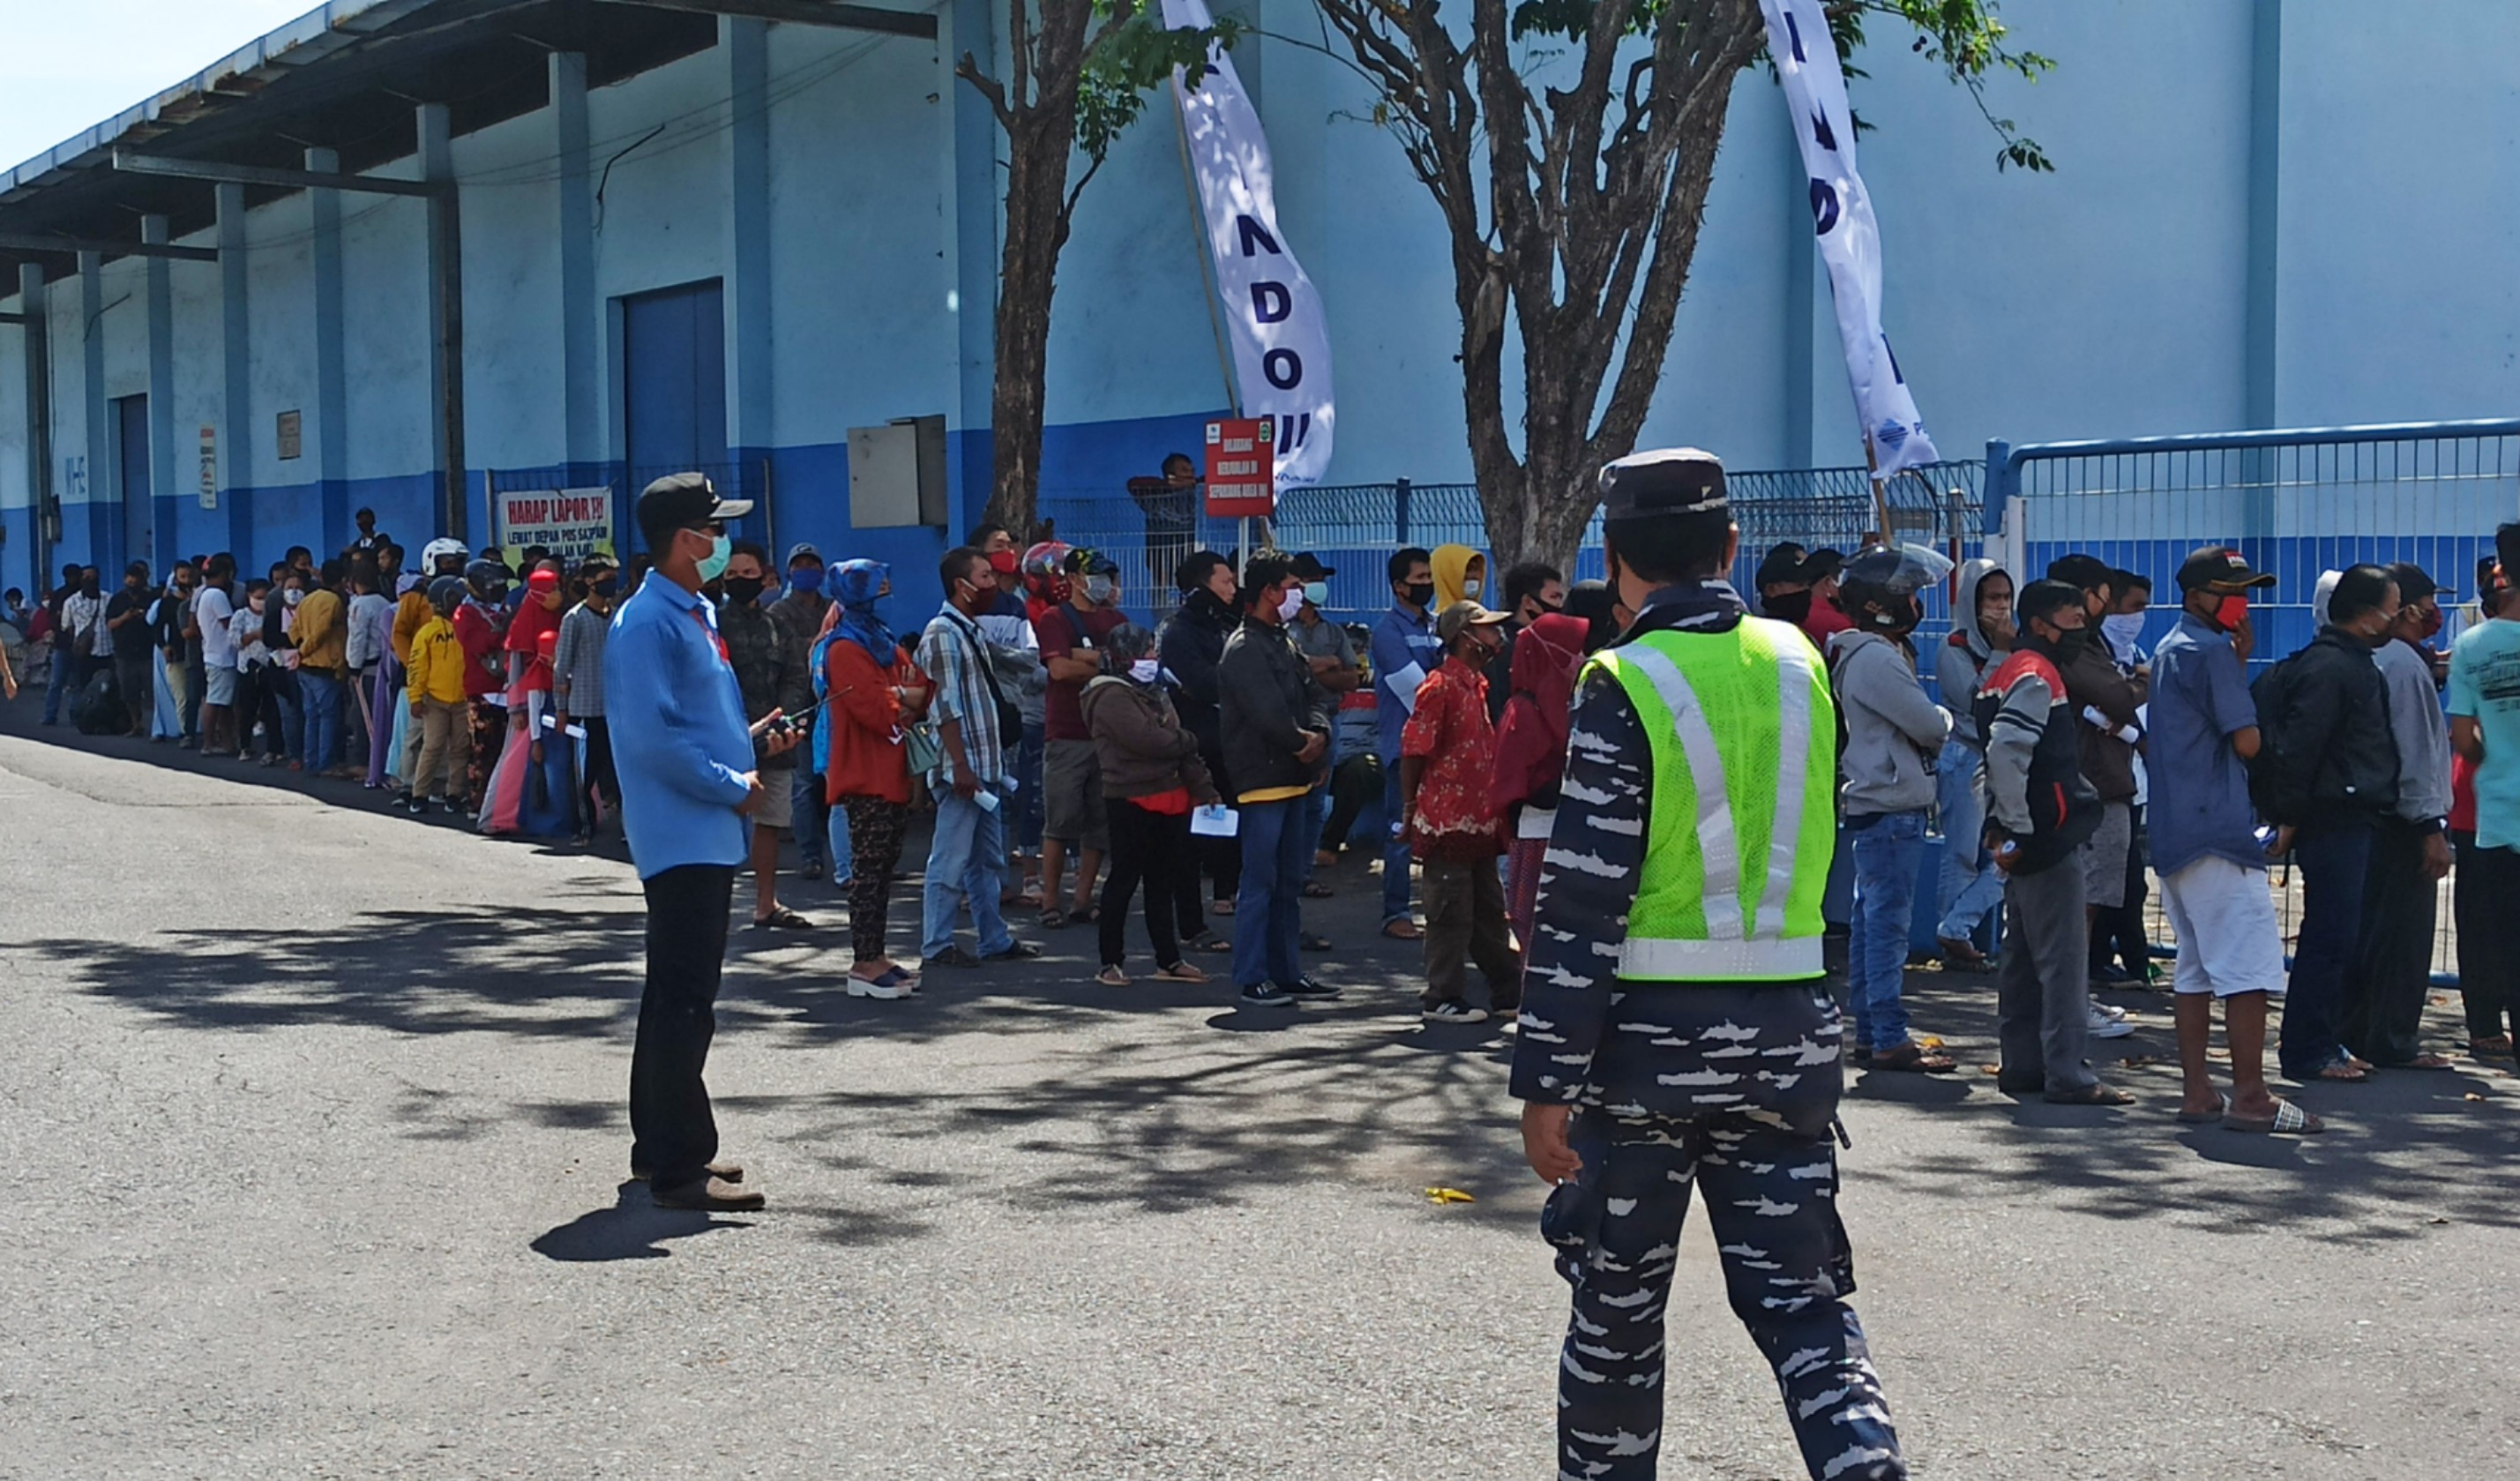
pixel 1421 594
pixel 2070 642
pixel 743 591
pixel 1787 606
pixel 604 590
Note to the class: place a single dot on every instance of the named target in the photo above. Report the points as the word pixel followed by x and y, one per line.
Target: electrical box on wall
pixel 897 473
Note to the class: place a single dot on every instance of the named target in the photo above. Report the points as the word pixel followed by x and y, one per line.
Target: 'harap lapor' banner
pixel 572 523
pixel 1281 347
pixel 1850 239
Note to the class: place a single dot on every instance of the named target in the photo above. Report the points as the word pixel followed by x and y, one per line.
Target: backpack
pixel 97 709
pixel 2279 789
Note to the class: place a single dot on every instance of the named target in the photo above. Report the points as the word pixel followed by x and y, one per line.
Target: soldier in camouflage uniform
pixel 1676 1024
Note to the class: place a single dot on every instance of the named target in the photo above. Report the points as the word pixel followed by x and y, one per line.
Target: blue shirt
pixel 1401 641
pixel 2485 687
pixel 679 739
pixel 2200 788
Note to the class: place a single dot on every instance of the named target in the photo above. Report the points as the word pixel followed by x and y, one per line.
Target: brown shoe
pixel 715 1194
pixel 732 1172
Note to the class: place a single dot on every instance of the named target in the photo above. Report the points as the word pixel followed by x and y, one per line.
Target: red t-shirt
pixel 1061 630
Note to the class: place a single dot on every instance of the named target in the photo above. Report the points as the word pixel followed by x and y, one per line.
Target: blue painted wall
pixel 2108 299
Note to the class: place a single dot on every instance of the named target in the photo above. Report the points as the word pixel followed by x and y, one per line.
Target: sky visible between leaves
pixel 67 65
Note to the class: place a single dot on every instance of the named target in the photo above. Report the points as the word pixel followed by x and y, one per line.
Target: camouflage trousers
pixel 1770 1197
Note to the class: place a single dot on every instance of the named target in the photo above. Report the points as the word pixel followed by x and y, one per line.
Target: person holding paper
pixel 1404 652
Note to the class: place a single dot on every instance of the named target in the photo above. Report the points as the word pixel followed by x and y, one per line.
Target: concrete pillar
pixel 445 288
pixel 1802 292
pixel 749 427
pixel 162 399
pixel 45 508
pixel 581 327
pixel 236 378
pixel 332 432
pixel 964 26
pixel 104 512
pixel 2266 197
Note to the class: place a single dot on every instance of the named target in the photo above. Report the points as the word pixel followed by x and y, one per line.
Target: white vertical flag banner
pixel 1281 347
pixel 1850 239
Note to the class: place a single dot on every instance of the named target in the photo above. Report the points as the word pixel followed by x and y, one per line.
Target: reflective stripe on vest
pixel 1746 925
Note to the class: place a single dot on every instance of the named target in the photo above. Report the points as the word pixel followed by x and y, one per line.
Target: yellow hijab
pixel 1452 563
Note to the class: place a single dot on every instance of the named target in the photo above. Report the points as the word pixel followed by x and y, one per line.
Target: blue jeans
pixel 2334 862
pixel 1971 886
pixel 845 865
pixel 1028 760
pixel 319 696
pixel 1837 896
pixel 67 669
pixel 1316 817
pixel 809 815
pixel 965 865
pixel 1887 855
pixel 285 692
pixel 1395 854
pixel 1268 914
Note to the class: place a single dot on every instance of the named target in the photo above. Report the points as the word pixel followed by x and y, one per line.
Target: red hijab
pixel 1531 741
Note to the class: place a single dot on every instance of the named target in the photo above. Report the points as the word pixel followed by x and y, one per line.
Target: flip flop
pixel 1180 971
pixel 1403 930
pixel 2497 1047
pixel 1317 891
pixel 1112 977
pixel 2423 1062
pixel 1912 1058
pixel 2090 1095
pixel 1054 920
pixel 2342 1071
pixel 781 918
pixel 2207 1119
pixel 2289 1120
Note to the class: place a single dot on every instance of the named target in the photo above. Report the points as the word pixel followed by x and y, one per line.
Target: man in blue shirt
pixel 690 776
pixel 2203 734
pixel 2485 733
pixel 1403 652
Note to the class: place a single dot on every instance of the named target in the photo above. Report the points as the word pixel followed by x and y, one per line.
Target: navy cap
pixel 1675 480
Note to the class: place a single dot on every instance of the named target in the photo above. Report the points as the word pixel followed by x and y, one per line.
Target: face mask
pixel 1900 616
pixel 805 578
pixel 293 596
pixel 255 603
pixel 1144 670
pixel 1421 594
pixel 2432 623
pixel 2122 631
pixel 2232 611
pixel 1289 604
pixel 743 591
pixel 1318 593
pixel 713 565
pixel 604 590
pixel 1100 590
pixel 2071 642
pixel 1789 606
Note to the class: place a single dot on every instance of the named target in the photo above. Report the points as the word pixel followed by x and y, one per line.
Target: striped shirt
pixel 577 660
pixel 953 653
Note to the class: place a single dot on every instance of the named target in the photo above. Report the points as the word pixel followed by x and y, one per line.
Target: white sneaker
pixel 859 987
pixel 2108 1010
pixel 2102 1027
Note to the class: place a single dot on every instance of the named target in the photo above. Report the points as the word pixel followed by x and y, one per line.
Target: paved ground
pixel 315 1117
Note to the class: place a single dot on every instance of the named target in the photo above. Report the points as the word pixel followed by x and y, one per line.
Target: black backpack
pixel 2279 787
pixel 97 709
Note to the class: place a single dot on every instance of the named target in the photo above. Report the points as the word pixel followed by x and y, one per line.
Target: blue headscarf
pixel 854 585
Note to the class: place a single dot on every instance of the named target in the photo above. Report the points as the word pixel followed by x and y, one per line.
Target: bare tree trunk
pixel 1036 230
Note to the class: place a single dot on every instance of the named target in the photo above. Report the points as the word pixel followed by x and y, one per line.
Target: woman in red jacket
pixel 872 690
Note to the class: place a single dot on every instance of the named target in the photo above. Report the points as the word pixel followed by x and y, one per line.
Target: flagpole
pixel 1207 269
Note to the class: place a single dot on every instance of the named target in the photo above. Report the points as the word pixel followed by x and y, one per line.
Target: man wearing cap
pixel 2203 735
pixel 2384 998
pixel 760 659
pixel 1071 635
pixel 690 779
pixel 798 615
pixel 1677 1025
pixel 1784 592
pixel 1447 795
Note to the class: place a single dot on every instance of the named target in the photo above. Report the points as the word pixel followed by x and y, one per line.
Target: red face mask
pixel 2233 610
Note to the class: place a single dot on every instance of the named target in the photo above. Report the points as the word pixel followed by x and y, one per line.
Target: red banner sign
pixel 1241 469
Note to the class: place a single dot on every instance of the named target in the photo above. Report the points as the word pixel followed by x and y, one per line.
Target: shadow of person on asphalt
pixel 633 1229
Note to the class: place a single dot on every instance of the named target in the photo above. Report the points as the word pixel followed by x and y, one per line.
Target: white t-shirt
pixel 245 631
pixel 213 611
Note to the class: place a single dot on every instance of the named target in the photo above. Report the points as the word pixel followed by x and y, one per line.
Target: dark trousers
pixel 877 826
pixel 2384 1001
pixel 258 698
pixel 2335 867
pixel 197 682
pixel 1772 1199
pixel 2485 900
pixel 600 774
pixel 2117 934
pixel 1465 922
pixel 131 678
pixel 672 1132
pixel 1354 785
pixel 2043 993
pixel 1152 848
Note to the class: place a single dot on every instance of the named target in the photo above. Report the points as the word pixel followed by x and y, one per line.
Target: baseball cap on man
pixel 679 501
pixel 1085 560
pixel 803 551
pixel 2219 569
pixel 2414 583
pixel 1309 567
pixel 1460 615
pixel 1783 566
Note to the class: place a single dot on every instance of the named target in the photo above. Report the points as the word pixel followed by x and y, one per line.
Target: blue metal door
pixel 673 367
pixel 139 513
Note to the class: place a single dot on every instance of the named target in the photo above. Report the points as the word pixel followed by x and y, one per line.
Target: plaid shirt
pixel 578 661
pixel 951 653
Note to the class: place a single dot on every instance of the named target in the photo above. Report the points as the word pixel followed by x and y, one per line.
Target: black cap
pixel 2414 583
pixel 2040 599
pixel 1675 480
pixel 679 501
pixel 1309 567
pixel 1085 560
pixel 2079 570
pixel 1828 561
pixel 2220 568
pixel 1782 564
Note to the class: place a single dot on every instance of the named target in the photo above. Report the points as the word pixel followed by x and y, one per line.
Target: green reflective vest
pixel 1742 821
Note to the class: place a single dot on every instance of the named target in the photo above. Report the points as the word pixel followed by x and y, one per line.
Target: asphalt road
pixel 316 1122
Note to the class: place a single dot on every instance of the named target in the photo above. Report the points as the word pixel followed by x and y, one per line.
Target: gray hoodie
pixel 1962 661
pixel 1893 732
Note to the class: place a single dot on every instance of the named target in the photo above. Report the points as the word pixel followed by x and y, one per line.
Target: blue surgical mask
pixel 713 565
pixel 805 578
pixel 1318 593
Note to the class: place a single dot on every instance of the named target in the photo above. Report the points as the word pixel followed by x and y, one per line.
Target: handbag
pixel 918 743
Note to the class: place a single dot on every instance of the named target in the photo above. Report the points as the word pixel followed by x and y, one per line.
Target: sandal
pixel 1054 920
pixel 1222 908
pixel 1912 1058
pixel 781 918
pixel 1317 891
pixel 2090 1095
pixel 2423 1062
pixel 1209 941
pixel 2341 1071
pixel 1313 942
pixel 1082 915
pixel 1112 976
pixel 1403 930
pixel 2221 1108
pixel 2289 1120
pixel 1180 971
pixel 2498 1047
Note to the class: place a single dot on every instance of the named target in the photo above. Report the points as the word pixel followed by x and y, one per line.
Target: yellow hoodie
pixel 437 663
pixel 1452 563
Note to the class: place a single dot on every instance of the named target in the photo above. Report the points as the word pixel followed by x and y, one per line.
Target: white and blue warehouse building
pixel 399 253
